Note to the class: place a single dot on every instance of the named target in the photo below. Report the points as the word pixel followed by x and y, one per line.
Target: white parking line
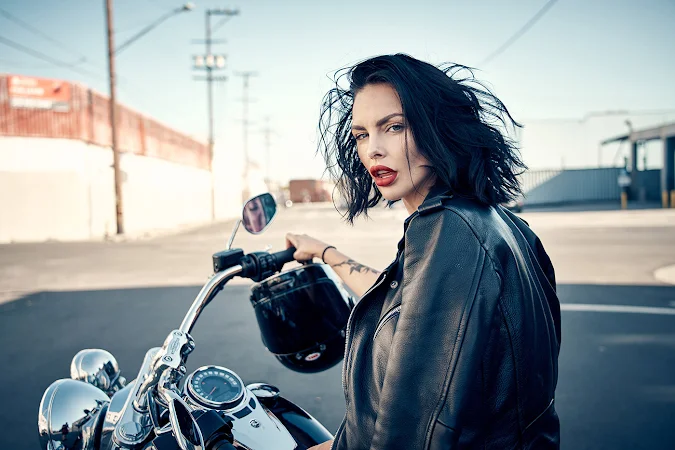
pixel 618 309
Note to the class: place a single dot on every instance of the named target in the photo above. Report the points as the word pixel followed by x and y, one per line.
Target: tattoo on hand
pixel 356 267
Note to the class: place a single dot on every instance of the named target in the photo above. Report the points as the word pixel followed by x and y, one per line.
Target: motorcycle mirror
pixel 258 213
pixel 183 426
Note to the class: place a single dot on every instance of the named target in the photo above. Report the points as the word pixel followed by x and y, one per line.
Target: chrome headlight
pixel 98 368
pixel 68 414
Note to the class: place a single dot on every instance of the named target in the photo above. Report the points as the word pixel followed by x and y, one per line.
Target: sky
pixel 580 57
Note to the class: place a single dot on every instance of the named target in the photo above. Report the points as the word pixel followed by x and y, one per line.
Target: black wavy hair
pixel 455 122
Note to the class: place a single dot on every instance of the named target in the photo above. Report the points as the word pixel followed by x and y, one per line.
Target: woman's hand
pixel 306 246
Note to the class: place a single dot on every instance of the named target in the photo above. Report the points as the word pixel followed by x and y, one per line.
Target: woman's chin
pixel 389 195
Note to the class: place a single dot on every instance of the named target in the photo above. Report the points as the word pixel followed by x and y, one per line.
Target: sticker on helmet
pixel 312 356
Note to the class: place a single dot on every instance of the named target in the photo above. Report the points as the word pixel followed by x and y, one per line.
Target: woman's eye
pixel 396 127
pixel 360 136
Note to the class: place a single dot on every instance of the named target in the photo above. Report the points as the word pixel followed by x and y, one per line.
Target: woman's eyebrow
pixel 380 122
pixel 386 119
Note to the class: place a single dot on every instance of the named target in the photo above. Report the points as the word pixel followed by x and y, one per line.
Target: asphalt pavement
pixel 617 365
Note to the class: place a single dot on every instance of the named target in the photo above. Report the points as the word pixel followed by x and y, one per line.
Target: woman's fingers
pixel 306 246
pixel 293 240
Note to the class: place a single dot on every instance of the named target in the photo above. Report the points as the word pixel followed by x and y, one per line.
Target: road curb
pixel 665 274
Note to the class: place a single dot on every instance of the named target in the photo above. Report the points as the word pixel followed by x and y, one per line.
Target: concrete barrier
pixel 62 189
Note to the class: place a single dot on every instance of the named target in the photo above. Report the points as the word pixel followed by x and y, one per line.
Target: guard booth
pixel 639 184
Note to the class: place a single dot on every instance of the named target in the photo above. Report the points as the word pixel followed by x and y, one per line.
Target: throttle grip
pixel 260 265
pixel 283 257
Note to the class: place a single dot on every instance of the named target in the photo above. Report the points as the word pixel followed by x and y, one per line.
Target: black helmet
pixel 302 314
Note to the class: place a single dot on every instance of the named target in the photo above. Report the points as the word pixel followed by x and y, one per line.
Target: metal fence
pixel 573 186
pixel 533 178
pixel 586 185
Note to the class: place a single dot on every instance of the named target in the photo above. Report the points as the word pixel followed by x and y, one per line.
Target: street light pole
pixel 186 7
pixel 112 51
pixel 119 210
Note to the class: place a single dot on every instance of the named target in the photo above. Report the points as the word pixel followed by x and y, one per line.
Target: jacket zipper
pixel 385 319
pixel 345 366
pixel 349 327
pixel 347 355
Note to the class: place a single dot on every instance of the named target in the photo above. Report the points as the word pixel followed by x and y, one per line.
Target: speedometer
pixel 215 387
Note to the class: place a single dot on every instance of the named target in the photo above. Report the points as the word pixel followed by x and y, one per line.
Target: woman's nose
pixel 374 155
pixel 375 151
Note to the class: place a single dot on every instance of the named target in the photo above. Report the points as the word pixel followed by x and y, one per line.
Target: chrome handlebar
pixel 208 292
pixel 167 361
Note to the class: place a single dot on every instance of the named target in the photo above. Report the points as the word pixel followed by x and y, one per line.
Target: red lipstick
pixel 383 175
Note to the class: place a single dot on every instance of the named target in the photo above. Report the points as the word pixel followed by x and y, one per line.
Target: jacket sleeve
pixel 449 298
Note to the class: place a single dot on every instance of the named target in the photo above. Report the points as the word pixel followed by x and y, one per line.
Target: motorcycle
pixel 302 314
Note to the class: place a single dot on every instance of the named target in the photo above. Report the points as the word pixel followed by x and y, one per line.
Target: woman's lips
pixel 383 175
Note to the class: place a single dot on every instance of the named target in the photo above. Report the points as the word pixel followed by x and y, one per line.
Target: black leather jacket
pixel 456 345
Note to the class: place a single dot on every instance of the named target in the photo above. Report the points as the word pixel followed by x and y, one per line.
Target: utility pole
pixel 112 51
pixel 113 119
pixel 212 62
pixel 245 122
pixel 267 131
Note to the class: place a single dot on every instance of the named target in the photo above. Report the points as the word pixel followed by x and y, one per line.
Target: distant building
pixel 306 191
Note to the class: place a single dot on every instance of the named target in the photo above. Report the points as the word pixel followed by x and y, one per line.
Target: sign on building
pixel 39 93
pixel 624 179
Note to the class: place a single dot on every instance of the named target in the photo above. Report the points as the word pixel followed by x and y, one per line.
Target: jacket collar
pixel 436 192
pixel 434 196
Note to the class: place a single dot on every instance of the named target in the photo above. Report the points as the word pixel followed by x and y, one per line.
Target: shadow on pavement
pixel 616 387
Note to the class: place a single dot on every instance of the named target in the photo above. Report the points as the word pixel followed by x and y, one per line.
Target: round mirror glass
pixel 258 213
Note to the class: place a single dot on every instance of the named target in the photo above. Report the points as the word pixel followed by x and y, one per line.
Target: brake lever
pixel 153 409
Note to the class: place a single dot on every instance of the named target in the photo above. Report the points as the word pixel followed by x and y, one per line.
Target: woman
pixel 455 344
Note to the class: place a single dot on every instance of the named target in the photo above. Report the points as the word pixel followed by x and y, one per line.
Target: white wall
pixel 63 189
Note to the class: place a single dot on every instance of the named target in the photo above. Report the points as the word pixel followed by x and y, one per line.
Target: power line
pixel 519 33
pixel 60 63
pixel 44 57
pixel 82 58
pixel 34 30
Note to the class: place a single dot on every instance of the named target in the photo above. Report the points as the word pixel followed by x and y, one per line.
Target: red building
pixel 40 107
